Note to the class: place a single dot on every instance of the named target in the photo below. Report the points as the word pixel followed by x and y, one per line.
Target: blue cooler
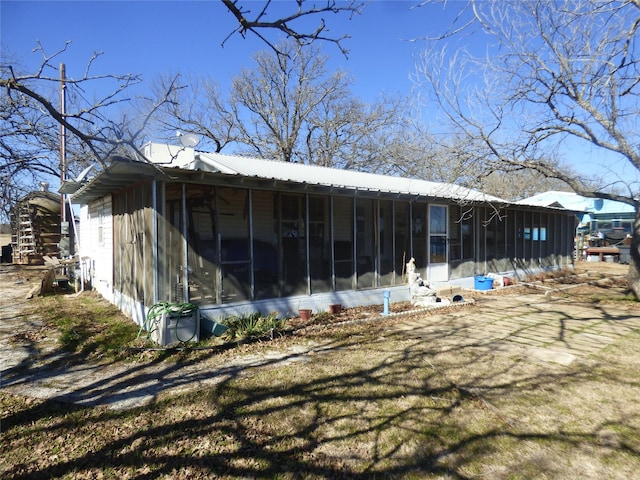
pixel 483 283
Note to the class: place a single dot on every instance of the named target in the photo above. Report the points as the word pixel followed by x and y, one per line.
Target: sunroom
pixel 234 234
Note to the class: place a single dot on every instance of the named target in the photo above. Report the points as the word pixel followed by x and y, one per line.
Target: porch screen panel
pixel 557 228
pixel 500 256
pixel 455 234
pixel 481 222
pixel 461 240
pixel 150 240
pixel 535 238
pixel 511 235
pixel 365 243
pixel 343 242
pixel 419 236
pixel 460 233
pixel 170 250
pixel 201 244
pixel 385 243
pixel 468 234
pixel 319 244
pixel 545 254
pixel 118 212
pixel 402 240
pixel 293 243
pixel 501 230
pixel 552 226
pixel 520 255
pixel 265 244
pixel 528 237
pixel 235 253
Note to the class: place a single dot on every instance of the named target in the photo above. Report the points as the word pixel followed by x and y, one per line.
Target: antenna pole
pixel 63 142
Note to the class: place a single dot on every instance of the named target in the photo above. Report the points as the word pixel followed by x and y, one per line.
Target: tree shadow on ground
pixel 403 403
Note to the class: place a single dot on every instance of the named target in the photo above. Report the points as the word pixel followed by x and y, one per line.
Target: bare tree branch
pixel 259 22
pixel 556 71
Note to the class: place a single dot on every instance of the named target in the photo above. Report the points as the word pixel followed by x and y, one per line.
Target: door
pixel 438 267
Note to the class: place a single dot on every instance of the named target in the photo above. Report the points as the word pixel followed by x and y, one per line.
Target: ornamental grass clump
pixel 251 326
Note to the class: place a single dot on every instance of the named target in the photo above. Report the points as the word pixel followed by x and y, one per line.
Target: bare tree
pixel 84 120
pixel 289 108
pixel 31 113
pixel 346 132
pixel 273 102
pixel 195 105
pixel 554 72
pixel 414 150
pixel 25 159
pixel 256 17
pixel 517 184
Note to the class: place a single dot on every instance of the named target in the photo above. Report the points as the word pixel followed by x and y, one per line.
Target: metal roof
pixel 120 173
pixel 336 178
pixel 573 201
pixel 184 164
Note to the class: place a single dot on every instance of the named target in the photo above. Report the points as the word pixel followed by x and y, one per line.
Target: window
pixel 101 225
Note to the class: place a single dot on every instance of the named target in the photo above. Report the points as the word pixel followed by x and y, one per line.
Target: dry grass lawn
pixel 373 404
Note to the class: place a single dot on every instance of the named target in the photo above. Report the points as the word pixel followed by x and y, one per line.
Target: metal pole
pixel 185 245
pixel 63 141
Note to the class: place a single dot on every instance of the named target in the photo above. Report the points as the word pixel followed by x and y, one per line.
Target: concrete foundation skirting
pixel 289 306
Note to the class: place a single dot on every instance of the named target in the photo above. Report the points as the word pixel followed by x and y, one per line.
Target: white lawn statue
pixel 422 295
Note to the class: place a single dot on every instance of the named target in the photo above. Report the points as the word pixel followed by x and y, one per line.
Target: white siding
pixel 96 244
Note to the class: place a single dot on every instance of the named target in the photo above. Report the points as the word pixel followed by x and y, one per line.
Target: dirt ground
pixel 534 381
pixel 16 283
pixel 32 365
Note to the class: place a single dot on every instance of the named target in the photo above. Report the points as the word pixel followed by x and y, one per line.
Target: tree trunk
pixel 634 263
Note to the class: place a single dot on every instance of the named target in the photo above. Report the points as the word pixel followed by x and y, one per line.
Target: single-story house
pixel 236 235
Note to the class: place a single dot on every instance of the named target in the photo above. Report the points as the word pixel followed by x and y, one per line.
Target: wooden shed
pixel 35 227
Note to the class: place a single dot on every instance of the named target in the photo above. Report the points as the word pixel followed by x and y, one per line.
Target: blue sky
pixel 161 37
pixel 156 37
